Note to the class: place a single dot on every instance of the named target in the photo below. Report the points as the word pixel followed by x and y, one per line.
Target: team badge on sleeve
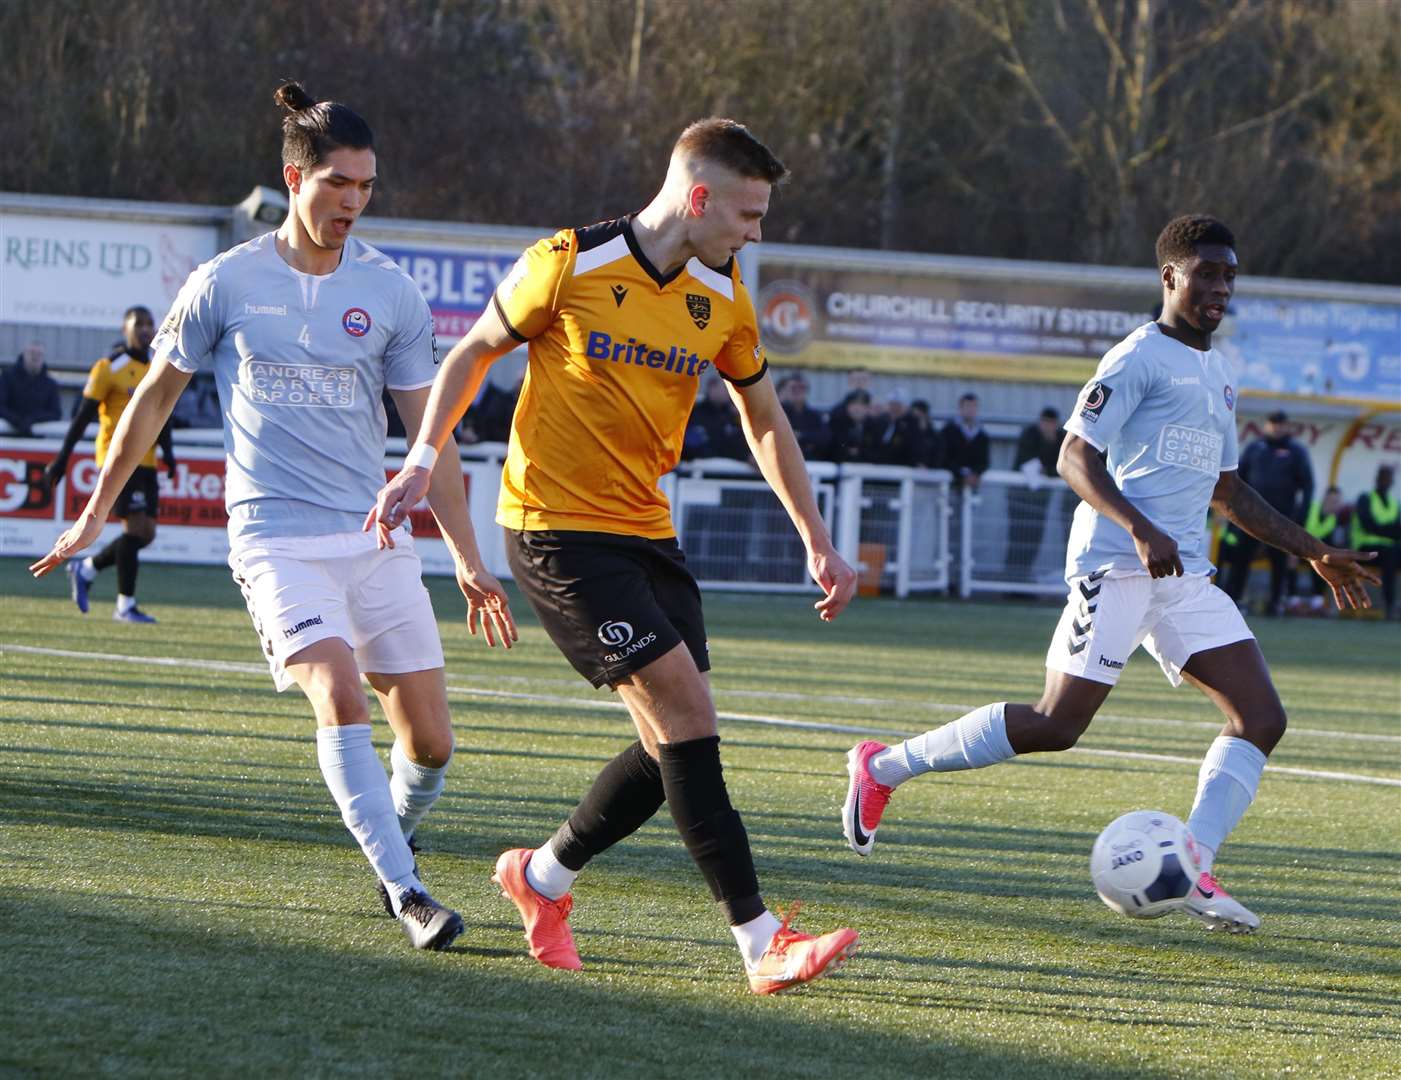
pixel 356 321
pixel 1230 398
pixel 1096 398
pixel 514 278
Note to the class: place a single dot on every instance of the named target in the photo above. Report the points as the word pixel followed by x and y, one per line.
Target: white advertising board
pixel 77 271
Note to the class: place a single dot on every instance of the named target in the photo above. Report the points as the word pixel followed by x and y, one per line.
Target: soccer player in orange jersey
pixel 623 320
pixel 110 386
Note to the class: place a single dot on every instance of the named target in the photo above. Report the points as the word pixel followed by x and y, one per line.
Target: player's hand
pixel 82 533
pixel 836 578
pixel 1157 551
pixel 53 472
pixel 394 501
pixel 1346 576
pixel 487 604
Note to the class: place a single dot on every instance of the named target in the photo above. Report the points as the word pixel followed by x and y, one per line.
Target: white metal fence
pixel 909 530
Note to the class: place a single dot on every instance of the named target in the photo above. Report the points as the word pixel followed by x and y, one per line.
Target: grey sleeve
pixel 411 357
pixel 194 325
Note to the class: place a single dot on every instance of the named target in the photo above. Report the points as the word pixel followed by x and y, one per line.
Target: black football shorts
pixel 612 604
pixel 141 494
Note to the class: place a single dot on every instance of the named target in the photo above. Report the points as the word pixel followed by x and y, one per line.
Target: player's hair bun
pixel 293 97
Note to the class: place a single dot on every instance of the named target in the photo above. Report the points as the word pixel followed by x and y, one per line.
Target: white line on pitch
pixel 746 718
pixel 856 729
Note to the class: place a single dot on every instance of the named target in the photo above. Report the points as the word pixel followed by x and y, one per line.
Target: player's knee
pixel 434 751
pixel 1062 726
pixel 141 528
pixel 1266 727
pixel 339 703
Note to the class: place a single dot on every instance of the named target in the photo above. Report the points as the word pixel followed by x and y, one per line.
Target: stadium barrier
pixel 1013 532
pixel 1007 537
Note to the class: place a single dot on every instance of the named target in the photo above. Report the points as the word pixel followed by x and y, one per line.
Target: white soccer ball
pixel 1144 863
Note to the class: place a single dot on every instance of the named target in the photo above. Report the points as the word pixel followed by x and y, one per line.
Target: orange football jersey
pixel 111 382
pixel 617 351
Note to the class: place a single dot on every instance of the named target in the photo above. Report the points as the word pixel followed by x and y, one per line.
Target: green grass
pixel 178 897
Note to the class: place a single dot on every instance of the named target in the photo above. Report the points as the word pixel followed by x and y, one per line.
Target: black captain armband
pixel 501 314
pixel 750 381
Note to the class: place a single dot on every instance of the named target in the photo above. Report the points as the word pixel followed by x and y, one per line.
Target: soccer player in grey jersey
pixel 1162 407
pixel 304 329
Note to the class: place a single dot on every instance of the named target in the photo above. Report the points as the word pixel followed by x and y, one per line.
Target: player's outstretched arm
pixel 1081 467
pixel 776 452
pixel 136 432
pixel 1344 570
pixel 455 387
pixel 487 603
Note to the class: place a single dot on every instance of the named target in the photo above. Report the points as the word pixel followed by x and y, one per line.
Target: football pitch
pixel 178 896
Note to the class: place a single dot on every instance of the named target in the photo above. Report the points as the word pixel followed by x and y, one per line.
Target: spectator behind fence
pixel 855 433
pixel 1328 521
pixel 1278 468
pixel 967 449
pixel 809 426
pixel 714 429
pixel 912 439
pixel 1376 526
pixel 858 381
pixel 198 405
pixel 28 393
pixel 1038 448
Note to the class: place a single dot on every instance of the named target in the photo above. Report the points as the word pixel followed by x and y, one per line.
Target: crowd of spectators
pixel 893 430
pixel 861 427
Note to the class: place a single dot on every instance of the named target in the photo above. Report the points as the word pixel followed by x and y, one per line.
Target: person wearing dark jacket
pixel 1038 447
pixel 855 431
pixel 1278 468
pixel 967 449
pixel 912 440
pixel 714 428
pixel 1376 526
pixel 28 393
pixel 808 424
pixel 966 453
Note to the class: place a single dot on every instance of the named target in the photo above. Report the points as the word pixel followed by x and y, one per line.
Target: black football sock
pixel 128 562
pixel 623 798
pixel 108 555
pixel 709 826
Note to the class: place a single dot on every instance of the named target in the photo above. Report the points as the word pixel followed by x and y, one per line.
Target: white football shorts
pixel 301 590
pixel 1106 618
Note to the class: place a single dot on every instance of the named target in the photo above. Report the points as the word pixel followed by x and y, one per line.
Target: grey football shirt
pixel 300 361
pixel 1165 413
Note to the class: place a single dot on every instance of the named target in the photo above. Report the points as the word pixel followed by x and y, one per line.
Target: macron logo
pixel 601 346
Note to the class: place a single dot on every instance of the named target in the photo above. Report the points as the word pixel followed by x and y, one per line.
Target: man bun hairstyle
pixel 732 146
pixel 1181 236
pixel 312 129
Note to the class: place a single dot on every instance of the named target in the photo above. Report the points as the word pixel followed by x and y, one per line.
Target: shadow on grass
pixel 273 999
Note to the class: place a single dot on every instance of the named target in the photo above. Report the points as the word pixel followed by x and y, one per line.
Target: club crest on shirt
pixel 1096 398
pixel 699 307
pixel 356 321
pixel 1230 396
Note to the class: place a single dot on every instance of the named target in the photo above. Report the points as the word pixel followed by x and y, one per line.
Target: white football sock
pixel 1226 785
pixel 357 780
pixel 125 603
pixel 754 936
pixel 973 741
pixel 415 787
pixel 88 571
pixel 547 875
